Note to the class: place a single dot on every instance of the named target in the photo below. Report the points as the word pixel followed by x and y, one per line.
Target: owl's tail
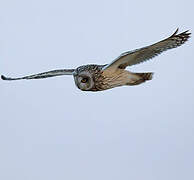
pixel 145 76
pixel 141 77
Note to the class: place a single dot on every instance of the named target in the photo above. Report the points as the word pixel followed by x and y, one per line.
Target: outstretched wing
pixel 140 55
pixel 48 74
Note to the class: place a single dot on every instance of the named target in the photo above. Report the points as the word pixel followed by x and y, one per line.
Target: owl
pixel 95 77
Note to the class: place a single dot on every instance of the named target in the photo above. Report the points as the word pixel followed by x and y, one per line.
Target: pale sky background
pixel 50 130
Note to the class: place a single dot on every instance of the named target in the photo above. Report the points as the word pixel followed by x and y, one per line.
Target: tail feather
pixel 145 76
pixel 141 78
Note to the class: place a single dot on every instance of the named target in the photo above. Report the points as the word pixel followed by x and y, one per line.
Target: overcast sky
pixel 50 130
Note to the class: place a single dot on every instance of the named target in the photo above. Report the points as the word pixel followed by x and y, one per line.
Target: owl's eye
pixel 84 80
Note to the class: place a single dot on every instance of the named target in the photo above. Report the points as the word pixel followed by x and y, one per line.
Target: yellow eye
pixel 84 80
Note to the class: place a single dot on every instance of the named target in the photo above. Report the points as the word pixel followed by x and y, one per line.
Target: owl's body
pixel 101 77
pixel 103 81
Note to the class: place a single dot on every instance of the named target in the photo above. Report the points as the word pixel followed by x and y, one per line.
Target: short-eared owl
pixel 101 77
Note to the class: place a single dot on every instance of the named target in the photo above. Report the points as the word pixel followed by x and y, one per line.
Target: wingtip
pixel 187 32
pixel 7 78
pixel 175 33
pixel 3 77
pixel 183 35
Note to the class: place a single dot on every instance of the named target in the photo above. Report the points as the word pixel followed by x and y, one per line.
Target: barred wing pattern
pixel 140 55
pixel 47 74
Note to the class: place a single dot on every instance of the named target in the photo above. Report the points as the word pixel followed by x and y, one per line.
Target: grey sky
pixel 49 129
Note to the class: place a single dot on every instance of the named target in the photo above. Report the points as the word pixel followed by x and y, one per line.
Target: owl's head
pixel 86 76
pixel 84 81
